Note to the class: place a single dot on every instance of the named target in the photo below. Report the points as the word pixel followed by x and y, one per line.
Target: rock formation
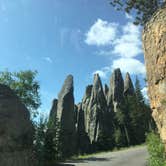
pixel 154 39
pixel 96 110
pixel 16 130
pixel 83 142
pixel 85 104
pixel 53 112
pixel 128 86
pixel 106 91
pixel 116 90
pixel 66 117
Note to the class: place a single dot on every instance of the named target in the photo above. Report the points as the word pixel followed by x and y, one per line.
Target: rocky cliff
pixel 154 39
pixel 16 130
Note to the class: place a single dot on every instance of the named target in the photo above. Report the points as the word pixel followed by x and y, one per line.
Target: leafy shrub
pixel 156 150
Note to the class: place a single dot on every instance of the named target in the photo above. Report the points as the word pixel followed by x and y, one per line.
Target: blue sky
pixel 61 37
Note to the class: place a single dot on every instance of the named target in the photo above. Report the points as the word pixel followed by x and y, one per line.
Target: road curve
pixel 136 156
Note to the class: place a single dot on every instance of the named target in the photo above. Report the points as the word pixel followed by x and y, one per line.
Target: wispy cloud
pixel 47 59
pixel 101 33
pixel 124 44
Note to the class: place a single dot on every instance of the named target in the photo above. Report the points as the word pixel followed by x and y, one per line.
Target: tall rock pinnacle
pixel 128 86
pixel 96 110
pixel 85 104
pixel 66 117
pixel 116 89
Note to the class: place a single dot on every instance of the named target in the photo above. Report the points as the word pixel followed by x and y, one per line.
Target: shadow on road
pixel 65 165
pixel 85 160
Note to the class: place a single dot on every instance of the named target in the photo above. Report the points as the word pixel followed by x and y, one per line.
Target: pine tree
pixel 144 9
pixel 138 92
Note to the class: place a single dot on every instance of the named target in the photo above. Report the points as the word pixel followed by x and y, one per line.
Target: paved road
pixel 131 157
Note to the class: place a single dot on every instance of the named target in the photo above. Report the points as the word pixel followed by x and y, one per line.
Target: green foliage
pixel 39 141
pixel 138 93
pixel 46 145
pixel 119 138
pixel 156 150
pixel 143 9
pixel 25 86
pixel 133 119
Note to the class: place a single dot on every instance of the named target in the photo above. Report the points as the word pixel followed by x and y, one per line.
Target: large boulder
pixel 16 130
pixel 66 118
pixel 154 39
pixel 128 86
pixel 115 97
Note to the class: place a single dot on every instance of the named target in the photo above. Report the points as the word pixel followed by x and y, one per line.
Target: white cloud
pixel 131 65
pixel 103 72
pixel 101 33
pixel 123 45
pixel 145 93
pixel 129 43
pixel 48 59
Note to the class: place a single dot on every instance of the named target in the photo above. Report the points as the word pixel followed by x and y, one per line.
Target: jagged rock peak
pixel 96 110
pixel 116 89
pixel 97 82
pixel 66 117
pixel 128 85
pixel 88 92
pixel 65 109
pixel 67 87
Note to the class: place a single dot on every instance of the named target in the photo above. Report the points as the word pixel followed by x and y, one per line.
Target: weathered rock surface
pixel 16 130
pixel 96 110
pixel 53 112
pixel 85 104
pixel 128 86
pixel 83 142
pixel 66 117
pixel 154 39
pixel 106 91
pixel 116 90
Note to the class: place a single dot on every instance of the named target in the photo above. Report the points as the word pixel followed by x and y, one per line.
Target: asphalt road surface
pixel 136 156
